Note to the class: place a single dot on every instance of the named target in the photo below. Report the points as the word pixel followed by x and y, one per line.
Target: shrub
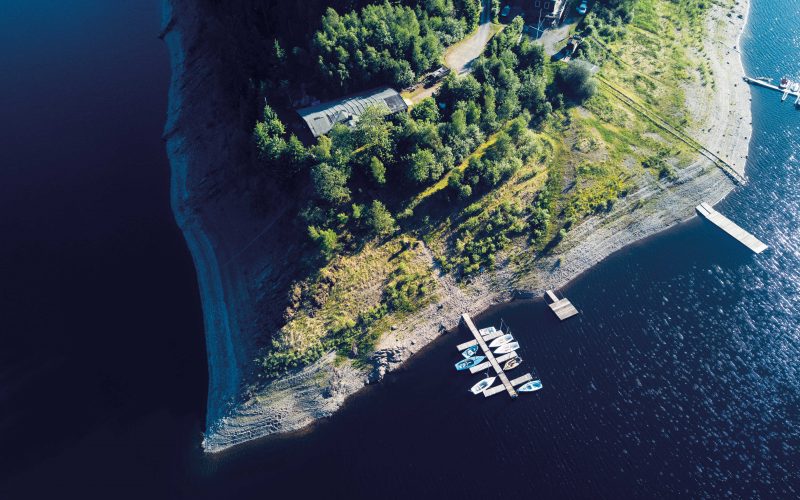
pixel 326 239
pixel 577 81
pixel 379 220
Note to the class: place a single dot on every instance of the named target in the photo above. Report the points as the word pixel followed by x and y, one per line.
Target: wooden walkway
pixel 784 92
pixel 730 227
pixel 486 364
pixel 507 385
pixel 499 388
pixel 563 308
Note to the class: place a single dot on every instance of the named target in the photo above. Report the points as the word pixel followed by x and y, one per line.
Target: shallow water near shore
pixel 679 376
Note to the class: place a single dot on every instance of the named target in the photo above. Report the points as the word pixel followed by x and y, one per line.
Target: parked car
pixel 434 77
pixel 582 8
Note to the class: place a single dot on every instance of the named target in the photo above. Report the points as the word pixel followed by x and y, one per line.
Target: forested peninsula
pixel 511 156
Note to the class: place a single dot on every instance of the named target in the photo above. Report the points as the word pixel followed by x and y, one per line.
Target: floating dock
pixel 491 391
pixel 563 308
pixel 507 385
pixel 485 365
pixel 784 92
pixel 730 227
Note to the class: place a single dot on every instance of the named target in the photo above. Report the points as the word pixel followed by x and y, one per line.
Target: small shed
pixel 321 118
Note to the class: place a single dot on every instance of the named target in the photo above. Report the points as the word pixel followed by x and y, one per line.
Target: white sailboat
pixel 532 386
pixel 512 363
pixel 482 385
pixel 503 339
pixel 506 348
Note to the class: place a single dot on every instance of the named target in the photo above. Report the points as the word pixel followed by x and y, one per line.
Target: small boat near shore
pixel 470 351
pixel 512 363
pixel 468 363
pixel 784 83
pixel 503 339
pixel 506 348
pixel 482 385
pixel 532 386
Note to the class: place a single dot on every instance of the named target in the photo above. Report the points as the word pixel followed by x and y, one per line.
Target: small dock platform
pixel 730 227
pixel 562 308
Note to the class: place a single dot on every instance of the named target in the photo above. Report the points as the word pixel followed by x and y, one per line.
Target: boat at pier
pixel 465 364
pixel 784 83
pixel 506 348
pixel 487 331
pixel 512 363
pixel 482 385
pixel 532 386
pixel 469 352
pixel 505 339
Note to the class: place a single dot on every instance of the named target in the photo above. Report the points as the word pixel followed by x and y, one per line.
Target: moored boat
pixel 784 83
pixel 469 362
pixel 482 385
pixel 470 351
pixel 512 363
pixel 506 348
pixel 503 339
pixel 795 87
pixel 532 386
pixel 487 331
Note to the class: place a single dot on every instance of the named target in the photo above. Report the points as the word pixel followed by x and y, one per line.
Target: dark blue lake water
pixel 680 377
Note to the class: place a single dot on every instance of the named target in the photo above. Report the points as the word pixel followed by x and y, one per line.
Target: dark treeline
pixel 349 45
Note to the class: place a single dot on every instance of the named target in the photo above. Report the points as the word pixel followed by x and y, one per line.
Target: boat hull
pixel 468 363
pixel 532 386
pixel 504 339
pixel 482 385
pixel 469 352
pixel 512 363
pixel 506 348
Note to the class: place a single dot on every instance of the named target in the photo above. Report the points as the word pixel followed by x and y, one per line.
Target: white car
pixel 582 8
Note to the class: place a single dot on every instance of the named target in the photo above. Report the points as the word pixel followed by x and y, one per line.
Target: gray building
pixel 547 12
pixel 321 118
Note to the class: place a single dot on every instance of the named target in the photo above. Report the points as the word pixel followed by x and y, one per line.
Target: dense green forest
pixel 363 46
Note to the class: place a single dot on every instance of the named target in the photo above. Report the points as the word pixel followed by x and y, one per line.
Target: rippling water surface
pixel 680 377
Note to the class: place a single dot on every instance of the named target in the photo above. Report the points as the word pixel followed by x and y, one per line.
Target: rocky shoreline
pixel 197 150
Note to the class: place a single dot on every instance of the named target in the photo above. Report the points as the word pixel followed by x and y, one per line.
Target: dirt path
pixel 460 55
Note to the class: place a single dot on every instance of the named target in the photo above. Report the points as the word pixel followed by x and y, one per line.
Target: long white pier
pixel 730 227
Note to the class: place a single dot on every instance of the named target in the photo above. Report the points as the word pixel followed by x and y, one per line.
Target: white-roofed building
pixel 321 118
